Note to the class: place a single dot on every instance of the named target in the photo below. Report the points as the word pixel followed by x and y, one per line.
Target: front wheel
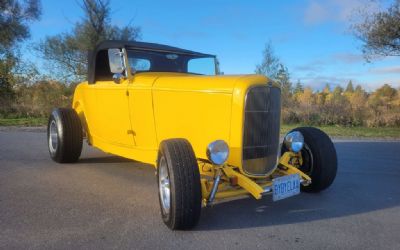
pixel 179 184
pixel 319 159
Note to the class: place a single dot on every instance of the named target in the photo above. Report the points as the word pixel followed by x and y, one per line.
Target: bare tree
pixel 380 32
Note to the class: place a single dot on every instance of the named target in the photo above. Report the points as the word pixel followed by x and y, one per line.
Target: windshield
pixel 154 61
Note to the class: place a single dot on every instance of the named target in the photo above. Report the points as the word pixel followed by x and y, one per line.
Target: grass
pixel 30 121
pixel 334 131
pixel 339 131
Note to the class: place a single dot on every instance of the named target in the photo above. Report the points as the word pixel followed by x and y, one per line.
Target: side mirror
pixel 116 61
pixel 117 77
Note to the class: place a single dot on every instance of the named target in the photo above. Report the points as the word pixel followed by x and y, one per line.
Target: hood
pixel 200 83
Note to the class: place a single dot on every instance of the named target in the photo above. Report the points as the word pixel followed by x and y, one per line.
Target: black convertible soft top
pixel 113 44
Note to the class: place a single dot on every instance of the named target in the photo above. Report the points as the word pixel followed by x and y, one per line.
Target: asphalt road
pixel 107 202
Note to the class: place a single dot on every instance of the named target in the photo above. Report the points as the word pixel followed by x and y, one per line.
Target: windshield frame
pixel 188 56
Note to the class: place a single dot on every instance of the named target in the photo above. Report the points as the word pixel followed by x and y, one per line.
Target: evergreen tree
pixel 283 77
pixel 359 89
pixel 337 90
pixel 350 88
pixel 327 89
pixel 298 88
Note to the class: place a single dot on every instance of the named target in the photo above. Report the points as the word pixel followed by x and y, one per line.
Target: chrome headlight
pixel 218 152
pixel 294 141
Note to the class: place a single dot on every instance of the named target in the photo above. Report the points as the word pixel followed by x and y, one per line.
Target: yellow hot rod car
pixel 210 136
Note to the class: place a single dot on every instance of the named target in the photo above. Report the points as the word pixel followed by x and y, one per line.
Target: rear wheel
pixel 319 159
pixel 179 184
pixel 64 135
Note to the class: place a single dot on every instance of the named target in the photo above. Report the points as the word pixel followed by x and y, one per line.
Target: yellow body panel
pixel 191 107
pixel 131 118
pixel 111 119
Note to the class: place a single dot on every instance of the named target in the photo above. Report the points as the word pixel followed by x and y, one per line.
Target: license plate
pixel 286 186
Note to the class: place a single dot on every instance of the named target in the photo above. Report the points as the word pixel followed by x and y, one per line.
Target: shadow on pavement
pixel 104 159
pixel 367 181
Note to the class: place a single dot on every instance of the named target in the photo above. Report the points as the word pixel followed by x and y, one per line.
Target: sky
pixel 312 38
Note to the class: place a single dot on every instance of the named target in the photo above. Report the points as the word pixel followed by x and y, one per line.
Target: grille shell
pixel 261 129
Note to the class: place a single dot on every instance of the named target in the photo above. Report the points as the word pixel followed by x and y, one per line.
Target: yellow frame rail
pixel 288 164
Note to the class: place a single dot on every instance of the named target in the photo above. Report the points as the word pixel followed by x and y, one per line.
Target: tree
pixel 272 68
pixel 349 87
pixel 67 52
pixel 306 101
pixel 15 17
pixel 283 78
pixel 298 88
pixel 383 96
pixel 359 89
pixel 380 32
pixel 382 107
pixel 270 64
pixel 306 98
pixel 337 90
pixel 7 64
pixel 336 109
pixel 327 89
pixel 386 91
pixel 358 100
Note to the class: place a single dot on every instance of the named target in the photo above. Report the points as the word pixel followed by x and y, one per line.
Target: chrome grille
pixel 261 129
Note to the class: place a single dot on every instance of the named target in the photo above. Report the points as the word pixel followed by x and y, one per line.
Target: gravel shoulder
pixel 22 129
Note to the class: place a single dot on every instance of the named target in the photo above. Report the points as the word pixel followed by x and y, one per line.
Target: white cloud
pixel 317 12
pixel 348 58
pixel 338 58
pixel 386 70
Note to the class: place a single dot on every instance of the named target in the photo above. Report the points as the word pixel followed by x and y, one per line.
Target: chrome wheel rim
pixel 164 186
pixel 53 137
pixel 308 161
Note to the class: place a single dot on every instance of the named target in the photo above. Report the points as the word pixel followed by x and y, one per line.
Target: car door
pixel 113 107
pixel 141 103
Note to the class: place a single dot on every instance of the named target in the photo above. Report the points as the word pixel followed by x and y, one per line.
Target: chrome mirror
pixel 116 61
pixel 117 77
